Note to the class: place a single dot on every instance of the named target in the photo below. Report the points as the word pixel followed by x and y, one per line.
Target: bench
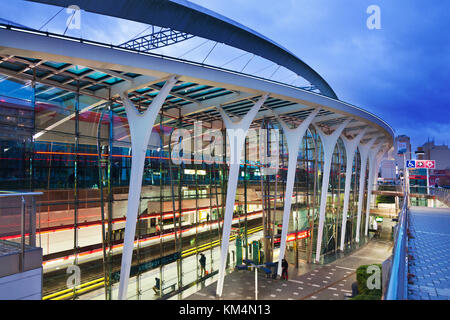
pixel 241 267
pixel 273 265
pixel 267 271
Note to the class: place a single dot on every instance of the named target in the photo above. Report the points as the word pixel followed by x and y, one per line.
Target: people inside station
pixel 157 286
pixel 284 272
pixel 202 261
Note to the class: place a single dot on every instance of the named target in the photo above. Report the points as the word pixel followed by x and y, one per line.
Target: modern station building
pixel 144 161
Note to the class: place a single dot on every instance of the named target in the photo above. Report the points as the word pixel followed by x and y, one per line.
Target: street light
pixel 422 153
pixel 406 171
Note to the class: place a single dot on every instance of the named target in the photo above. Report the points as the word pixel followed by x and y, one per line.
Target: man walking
pixel 202 264
pixel 284 266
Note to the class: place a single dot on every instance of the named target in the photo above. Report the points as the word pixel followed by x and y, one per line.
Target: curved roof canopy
pixel 182 15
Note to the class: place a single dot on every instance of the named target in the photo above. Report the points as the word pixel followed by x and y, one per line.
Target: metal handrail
pixel 397 288
pixel 442 194
pixel 18 194
pixel 32 226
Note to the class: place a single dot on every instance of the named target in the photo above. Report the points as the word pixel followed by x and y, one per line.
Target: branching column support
pixel 236 132
pixel 363 152
pixel 328 143
pixel 374 162
pixel 350 149
pixel 140 129
pixel 294 139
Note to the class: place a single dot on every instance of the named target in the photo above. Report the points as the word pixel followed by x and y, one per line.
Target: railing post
pixel 32 227
pixel 22 236
pixel 256 283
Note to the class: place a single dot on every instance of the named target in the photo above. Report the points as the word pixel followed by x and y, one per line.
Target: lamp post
pixel 420 152
pixel 406 172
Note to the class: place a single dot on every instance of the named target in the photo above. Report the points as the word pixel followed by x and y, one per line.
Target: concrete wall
pixel 22 286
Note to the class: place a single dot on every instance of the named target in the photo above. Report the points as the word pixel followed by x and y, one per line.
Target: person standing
pixel 157 286
pixel 202 265
pixel 284 272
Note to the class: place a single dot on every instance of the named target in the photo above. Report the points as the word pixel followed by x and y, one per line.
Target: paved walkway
pixel 310 282
pixel 429 247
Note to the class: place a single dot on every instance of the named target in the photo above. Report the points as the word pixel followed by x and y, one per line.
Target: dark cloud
pixel 400 73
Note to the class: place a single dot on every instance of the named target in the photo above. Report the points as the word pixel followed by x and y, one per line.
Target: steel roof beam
pixel 193 19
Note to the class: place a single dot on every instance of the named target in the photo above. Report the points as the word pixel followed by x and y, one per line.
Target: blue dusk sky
pixel 399 72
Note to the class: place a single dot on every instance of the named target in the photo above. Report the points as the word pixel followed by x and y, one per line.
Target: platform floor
pixel 429 247
pixel 310 282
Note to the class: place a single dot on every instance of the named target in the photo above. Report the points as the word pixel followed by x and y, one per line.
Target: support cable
pixel 150 26
pixel 265 68
pixel 189 51
pixel 51 18
pixel 248 62
pixel 67 27
pixel 245 53
pixel 274 72
pixel 209 52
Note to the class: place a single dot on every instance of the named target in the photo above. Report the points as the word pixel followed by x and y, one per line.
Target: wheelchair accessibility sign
pixel 411 164
pixel 421 164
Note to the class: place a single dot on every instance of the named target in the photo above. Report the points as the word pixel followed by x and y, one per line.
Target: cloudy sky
pixel 399 72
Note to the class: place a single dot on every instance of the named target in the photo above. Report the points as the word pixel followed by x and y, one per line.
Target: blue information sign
pixel 410 163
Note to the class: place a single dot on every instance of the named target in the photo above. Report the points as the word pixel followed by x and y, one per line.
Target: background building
pixel 402 144
pixel 441 154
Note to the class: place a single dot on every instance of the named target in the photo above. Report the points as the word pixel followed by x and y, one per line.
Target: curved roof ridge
pixel 185 16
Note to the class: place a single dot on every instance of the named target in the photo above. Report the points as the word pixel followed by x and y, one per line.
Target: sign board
pixel 411 164
pixel 430 164
pixel 379 219
pixel 420 164
pixel 401 147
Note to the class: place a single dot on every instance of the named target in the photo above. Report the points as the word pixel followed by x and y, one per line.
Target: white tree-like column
pixel 236 132
pixel 350 149
pixel 363 152
pixel 141 126
pixel 294 139
pixel 328 143
pixel 374 164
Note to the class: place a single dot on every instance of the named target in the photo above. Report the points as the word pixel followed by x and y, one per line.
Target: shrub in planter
pixel 362 277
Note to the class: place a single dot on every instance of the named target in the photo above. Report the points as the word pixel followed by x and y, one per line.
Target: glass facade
pixel 76 149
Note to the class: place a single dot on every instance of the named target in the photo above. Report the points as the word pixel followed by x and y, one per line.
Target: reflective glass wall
pixel 76 149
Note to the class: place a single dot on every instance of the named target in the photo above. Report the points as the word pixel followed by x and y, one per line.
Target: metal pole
pixel 406 178
pixel 245 199
pixel 110 200
pixel 76 180
pixel 22 235
pixel 256 283
pixel 161 200
pixel 32 227
pixel 102 208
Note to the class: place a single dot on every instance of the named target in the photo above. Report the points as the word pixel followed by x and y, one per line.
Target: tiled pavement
pixel 311 282
pixel 430 251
